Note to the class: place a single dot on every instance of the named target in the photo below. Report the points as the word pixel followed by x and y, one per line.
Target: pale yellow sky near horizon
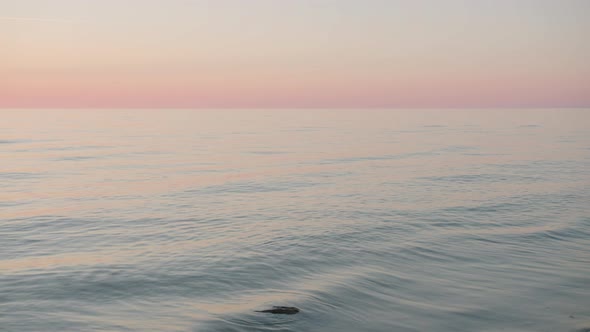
pixel 305 53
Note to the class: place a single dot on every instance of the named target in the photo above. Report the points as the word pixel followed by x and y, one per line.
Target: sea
pixel 366 220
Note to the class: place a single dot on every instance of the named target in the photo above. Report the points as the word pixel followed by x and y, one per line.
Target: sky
pixel 294 53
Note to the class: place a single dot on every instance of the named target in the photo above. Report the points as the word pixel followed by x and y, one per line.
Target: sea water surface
pixel 366 220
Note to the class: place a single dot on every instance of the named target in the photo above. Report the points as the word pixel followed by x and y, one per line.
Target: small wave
pixel 77 158
pixel 375 158
pixel 267 152
pixel 477 178
pixel 246 187
pixel 14 141
pixel 19 175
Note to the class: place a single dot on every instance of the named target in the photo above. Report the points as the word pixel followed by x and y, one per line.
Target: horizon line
pixel 302 108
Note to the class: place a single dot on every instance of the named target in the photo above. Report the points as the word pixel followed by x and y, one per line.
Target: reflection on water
pixel 404 220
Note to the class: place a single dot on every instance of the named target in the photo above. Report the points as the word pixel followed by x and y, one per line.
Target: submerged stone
pixel 281 310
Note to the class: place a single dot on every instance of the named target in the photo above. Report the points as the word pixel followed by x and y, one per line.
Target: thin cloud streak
pixel 36 19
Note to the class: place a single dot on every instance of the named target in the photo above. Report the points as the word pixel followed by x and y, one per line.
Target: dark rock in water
pixel 281 310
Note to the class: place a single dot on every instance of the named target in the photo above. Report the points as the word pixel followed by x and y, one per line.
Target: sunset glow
pixel 322 53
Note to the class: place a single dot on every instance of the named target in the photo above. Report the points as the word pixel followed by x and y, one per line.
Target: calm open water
pixel 397 220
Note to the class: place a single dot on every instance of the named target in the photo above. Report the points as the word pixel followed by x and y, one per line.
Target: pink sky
pixel 294 53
